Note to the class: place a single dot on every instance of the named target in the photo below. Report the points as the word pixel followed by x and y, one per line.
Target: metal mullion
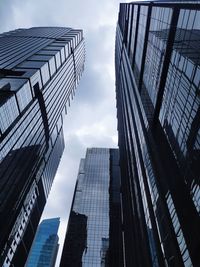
pixel 136 36
pixel 23 56
pixel 19 126
pixel 145 183
pixel 145 46
pixel 126 131
pixel 67 80
pixel 8 46
pixel 190 6
pixel 146 137
pixel 137 182
pixel 70 82
pixel 166 62
pixel 57 80
pixel 19 48
pixel 131 28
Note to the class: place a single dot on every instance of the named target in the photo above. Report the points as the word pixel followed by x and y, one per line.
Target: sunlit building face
pixel 94 232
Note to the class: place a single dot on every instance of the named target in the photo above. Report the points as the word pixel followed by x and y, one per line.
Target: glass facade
pixel 45 245
pixel 158 103
pixel 88 238
pixel 39 71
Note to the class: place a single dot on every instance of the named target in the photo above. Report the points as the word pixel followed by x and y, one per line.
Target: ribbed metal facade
pixel 158 108
pixel 39 71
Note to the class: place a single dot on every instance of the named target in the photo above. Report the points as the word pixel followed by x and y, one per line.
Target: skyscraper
pixel 44 249
pixel 158 107
pixel 94 235
pixel 39 71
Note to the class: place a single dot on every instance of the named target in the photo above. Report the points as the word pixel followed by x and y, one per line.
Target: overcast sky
pixel 91 118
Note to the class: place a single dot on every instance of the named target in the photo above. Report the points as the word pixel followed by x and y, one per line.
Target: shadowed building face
pixel 39 71
pixel 158 103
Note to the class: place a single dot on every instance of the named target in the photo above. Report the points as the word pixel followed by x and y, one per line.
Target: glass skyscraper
pixel 45 245
pixel 94 234
pixel 39 71
pixel 158 107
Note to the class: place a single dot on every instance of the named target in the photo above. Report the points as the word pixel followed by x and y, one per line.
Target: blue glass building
pixel 39 72
pixel 45 245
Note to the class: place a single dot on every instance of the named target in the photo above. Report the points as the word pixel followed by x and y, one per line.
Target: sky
pixel 91 119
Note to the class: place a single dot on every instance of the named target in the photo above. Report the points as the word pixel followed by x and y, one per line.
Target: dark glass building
pixel 39 71
pixel 158 109
pixel 94 234
pixel 44 249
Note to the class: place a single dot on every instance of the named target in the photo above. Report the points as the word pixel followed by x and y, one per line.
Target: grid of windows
pixel 88 236
pixel 39 71
pixel 156 47
pixel 140 40
pixel 180 109
pixel 93 202
pixel 157 87
pixel 133 33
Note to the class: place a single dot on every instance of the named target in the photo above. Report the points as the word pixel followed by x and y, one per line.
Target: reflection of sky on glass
pixel 92 200
pixel 45 244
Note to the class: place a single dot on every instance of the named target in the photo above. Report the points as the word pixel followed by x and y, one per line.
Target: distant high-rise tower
pixel 44 249
pixel 39 71
pixel 158 109
pixel 94 234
